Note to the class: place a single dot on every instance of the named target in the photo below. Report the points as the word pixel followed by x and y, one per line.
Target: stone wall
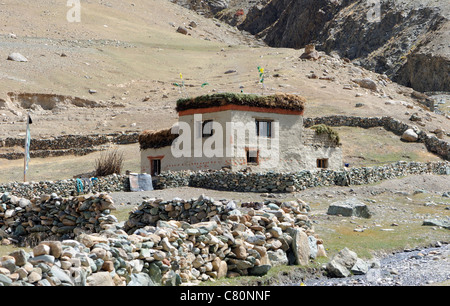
pixel 433 144
pixel 290 182
pixel 66 144
pixel 237 181
pixel 65 188
pixel 52 217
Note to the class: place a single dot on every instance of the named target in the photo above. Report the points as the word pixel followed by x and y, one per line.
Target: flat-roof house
pixel 238 131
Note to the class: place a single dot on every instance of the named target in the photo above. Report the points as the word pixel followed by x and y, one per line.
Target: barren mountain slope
pixel 407 40
pixel 114 70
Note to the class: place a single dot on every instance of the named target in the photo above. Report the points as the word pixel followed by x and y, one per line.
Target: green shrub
pixel 325 129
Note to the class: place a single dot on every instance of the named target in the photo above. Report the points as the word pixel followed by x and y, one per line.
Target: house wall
pixel 295 148
pixel 194 158
pixel 315 147
pixel 278 152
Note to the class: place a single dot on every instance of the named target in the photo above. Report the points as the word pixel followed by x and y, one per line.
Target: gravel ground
pixel 408 268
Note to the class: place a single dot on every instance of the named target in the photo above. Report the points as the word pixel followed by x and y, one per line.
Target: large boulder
pixel 410 136
pixel 300 246
pixel 348 208
pixel 341 263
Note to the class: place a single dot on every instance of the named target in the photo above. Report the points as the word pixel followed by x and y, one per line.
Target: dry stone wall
pixel 65 188
pixel 433 144
pixel 51 216
pixel 242 181
pixel 66 144
pixel 290 182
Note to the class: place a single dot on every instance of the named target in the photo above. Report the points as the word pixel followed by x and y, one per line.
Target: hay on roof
pixel 278 100
pixel 156 139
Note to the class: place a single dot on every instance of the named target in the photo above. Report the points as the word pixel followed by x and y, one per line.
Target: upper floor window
pixel 264 128
pixel 207 130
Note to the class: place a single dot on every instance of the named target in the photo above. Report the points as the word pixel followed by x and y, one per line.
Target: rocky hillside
pixel 407 40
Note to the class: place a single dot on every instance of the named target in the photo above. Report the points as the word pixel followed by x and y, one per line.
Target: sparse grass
pixel 376 146
pixel 407 212
pixel 109 162
pixel 63 167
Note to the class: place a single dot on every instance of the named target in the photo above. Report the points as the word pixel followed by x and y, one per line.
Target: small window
pixel 322 163
pixel 207 130
pixel 264 128
pixel 155 166
pixel 252 156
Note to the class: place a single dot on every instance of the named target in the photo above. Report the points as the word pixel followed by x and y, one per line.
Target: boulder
pixel 341 263
pixel 435 222
pixel 259 270
pixel 182 30
pixel 348 208
pixel 360 267
pixel 366 83
pixel 310 53
pixel 141 280
pixel 100 279
pixel 17 57
pixel 410 136
pixel 300 246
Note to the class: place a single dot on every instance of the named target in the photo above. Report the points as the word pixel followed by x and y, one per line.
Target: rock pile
pixel 234 241
pixel 50 216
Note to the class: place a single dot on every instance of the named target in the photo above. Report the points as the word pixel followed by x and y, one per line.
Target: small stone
pixel 34 277
pixel 182 30
pixel 17 57
pixel 41 249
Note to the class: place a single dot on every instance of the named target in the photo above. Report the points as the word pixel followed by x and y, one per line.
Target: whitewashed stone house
pixel 238 131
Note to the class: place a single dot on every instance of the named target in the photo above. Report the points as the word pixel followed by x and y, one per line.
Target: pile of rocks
pixel 192 211
pixel 50 216
pixel 235 241
pixel 250 243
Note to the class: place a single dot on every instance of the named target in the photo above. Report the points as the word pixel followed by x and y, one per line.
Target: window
pixel 252 156
pixel 155 165
pixel 264 128
pixel 207 130
pixel 322 163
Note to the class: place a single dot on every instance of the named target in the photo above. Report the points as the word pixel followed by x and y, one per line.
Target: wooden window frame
pixel 322 163
pixel 152 168
pixel 269 127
